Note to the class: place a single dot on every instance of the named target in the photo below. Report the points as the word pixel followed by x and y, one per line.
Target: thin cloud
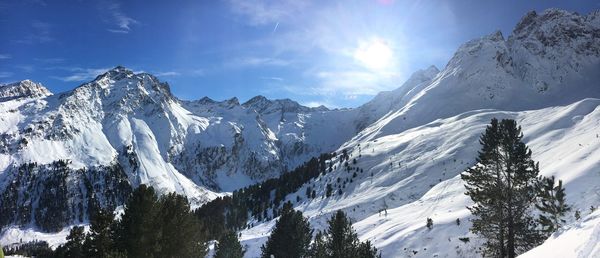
pixel 257 61
pixel 333 32
pixel 279 79
pixel 198 72
pixel 40 32
pixel 164 74
pixel 26 68
pixel 120 21
pixel 5 56
pixel 5 74
pixel 50 60
pixel 81 74
pixel 261 12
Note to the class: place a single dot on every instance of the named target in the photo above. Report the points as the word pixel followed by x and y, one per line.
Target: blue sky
pixel 336 53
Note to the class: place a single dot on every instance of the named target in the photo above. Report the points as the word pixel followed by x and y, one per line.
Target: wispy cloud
pixel 40 32
pixel 81 74
pixel 267 78
pixel 261 12
pixel 165 74
pixel 256 61
pixel 198 72
pixel 121 22
pixel 5 74
pixel 323 41
pixel 5 56
pixel 26 68
pixel 50 60
pixel 352 82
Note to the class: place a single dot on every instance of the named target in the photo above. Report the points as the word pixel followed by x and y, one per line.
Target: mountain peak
pixel 257 101
pixel 233 102
pixel 118 73
pixel 24 88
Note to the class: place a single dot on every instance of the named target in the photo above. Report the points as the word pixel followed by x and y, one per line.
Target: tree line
pixel 260 201
pixel 292 235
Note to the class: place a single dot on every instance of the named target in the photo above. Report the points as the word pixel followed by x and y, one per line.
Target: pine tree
pixel 342 242
pixel 365 249
pixel 329 189
pixel 429 223
pixel 99 241
pixel 552 204
pixel 139 234
pixel 73 248
pixel 318 248
pixel 290 237
pixel 181 233
pixel 229 246
pixel 503 187
pixel 342 239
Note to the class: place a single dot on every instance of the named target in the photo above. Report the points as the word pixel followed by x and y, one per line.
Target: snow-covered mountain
pixel 100 140
pixel 88 147
pixel 23 89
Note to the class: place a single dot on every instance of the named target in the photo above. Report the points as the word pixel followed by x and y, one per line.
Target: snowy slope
pixel 550 59
pixel 424 179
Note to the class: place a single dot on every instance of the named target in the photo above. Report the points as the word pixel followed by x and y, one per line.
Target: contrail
pixel 276 25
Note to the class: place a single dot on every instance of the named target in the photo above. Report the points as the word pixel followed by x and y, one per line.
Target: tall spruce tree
pixel 503 187
pixel 342 241
pixel 99 241
pixel 552 203
pixel 139 234
pixel 73 248
pixel 290 237
pixel 181 234
pixel 318 249
pixel 229 246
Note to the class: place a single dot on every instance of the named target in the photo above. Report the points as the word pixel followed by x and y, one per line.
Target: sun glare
pixel 374 54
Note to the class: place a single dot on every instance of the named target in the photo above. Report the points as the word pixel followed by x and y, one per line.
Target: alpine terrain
pixel 392 163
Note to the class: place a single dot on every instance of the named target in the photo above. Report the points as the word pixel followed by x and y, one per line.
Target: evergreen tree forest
pixel 506 189
pixel 261 201
pixel 150 226
pixel 291 237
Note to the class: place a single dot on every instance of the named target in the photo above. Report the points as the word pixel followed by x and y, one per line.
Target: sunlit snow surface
pixel 427 183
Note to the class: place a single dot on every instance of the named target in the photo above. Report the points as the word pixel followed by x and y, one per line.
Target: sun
pixel 374 54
